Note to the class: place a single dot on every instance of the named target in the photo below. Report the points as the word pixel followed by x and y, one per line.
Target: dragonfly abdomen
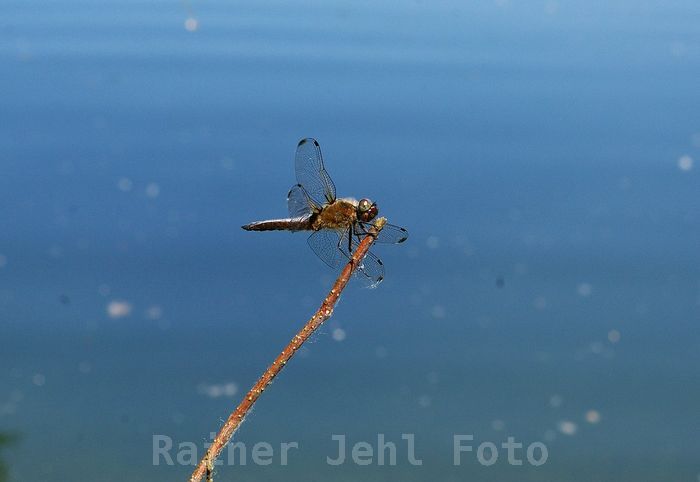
pixel 289 224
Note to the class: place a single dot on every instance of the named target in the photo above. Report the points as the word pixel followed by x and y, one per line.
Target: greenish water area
pixel 6 440
pixel 544 156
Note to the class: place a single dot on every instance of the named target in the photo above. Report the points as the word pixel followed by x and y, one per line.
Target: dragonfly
pixel 337 225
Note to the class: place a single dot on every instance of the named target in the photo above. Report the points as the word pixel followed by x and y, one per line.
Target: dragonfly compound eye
pixel 367 210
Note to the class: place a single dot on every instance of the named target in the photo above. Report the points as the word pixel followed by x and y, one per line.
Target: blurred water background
pixel 544 155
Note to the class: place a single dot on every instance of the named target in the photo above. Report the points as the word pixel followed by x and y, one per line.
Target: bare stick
pixel 210 470
pixel 323 313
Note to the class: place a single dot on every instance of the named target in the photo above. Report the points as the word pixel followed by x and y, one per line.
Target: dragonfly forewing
pixel 371 270
pixel 336 248
pixel 390 234
pixel 312 174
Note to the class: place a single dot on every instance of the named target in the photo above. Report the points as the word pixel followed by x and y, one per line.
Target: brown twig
pixel 209 470
pixel 323 313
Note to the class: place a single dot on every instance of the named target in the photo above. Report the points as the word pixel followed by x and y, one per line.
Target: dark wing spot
pixel 289 193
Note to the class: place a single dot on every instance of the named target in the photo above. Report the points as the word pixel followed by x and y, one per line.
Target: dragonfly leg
pixel 362 228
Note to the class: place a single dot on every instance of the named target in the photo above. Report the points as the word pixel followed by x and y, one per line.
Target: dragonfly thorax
pixel 340 214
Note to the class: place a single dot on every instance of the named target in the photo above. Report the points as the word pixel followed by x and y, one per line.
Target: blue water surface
pixel 544 155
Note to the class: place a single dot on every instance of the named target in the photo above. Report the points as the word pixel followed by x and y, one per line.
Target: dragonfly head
pixel 366 210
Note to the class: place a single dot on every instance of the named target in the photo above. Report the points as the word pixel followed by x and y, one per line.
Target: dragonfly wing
pixel 335 248
pixel 325 244
pixel 300 203
pixel 311 173
pixel 370 272
pixel 390 234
